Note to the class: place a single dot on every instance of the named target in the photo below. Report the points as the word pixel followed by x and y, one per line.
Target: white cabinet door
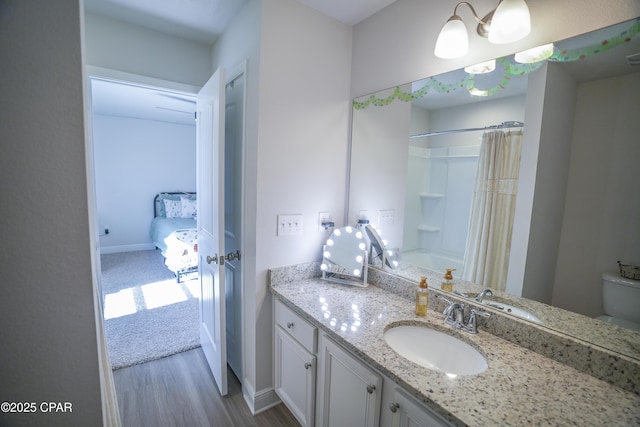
pixel 295 373
pixel 349 392
pixel 407 412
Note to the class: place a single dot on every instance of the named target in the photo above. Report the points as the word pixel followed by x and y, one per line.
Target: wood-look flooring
pixel 179 390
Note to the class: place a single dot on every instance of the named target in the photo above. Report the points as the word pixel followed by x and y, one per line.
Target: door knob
pixel 233 255
pixel 213 259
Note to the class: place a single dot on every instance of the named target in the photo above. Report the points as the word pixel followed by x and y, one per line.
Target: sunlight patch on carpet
pixel 162 293
pixel 193 287
pixel 119 304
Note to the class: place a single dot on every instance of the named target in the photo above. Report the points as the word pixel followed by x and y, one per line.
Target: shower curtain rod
pixel 511 124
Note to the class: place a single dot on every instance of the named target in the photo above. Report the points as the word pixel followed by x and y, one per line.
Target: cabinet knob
pixel 289 325
pixel 371 389
pixel 394 407
pixel 307 365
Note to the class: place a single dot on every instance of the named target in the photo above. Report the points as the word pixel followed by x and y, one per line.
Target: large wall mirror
pixel 561 132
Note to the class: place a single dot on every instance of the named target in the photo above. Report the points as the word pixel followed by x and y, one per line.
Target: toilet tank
pixel 621 297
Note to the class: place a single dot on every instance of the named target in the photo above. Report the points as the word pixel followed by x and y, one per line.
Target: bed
pixel 174 232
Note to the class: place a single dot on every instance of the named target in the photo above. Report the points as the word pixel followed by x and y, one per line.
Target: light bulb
pixel 535 54
pixel 511 22
pixel 453 40
pixel 481 68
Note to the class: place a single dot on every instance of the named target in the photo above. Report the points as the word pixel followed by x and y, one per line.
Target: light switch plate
pixel 386 217
pixel 289 225
pixel 323 217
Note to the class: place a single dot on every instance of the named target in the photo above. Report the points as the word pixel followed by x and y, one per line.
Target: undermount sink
pixel 435 350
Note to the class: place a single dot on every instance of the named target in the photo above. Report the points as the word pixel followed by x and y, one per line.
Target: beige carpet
pixel 148 315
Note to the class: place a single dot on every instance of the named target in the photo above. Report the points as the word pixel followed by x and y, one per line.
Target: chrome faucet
pixel 483 294
pixel 454 316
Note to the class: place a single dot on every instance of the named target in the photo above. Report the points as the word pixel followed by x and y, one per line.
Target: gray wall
pixel 602 210
pixel 48 347
pixel 134 159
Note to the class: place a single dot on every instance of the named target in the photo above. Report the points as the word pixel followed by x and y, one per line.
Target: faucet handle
pixel 448 301
pixel 472 325
pixel 480 312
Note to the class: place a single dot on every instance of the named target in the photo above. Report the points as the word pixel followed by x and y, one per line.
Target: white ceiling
pixel 205 20
pixel 122 100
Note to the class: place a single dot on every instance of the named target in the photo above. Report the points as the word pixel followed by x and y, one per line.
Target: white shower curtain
pixel 493 206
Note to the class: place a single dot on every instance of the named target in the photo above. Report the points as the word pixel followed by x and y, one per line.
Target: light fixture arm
pixel 483 23
pixel 475 14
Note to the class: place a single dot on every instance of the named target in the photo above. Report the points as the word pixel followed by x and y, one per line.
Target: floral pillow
pixel 188 207
pixel 172 208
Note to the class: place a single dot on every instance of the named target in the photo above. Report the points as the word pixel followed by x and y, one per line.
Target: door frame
pixel 96 72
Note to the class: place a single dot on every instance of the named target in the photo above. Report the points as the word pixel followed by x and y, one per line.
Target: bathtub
pixel 432 261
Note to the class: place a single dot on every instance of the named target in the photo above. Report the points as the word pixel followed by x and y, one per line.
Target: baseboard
pixel 126 248
pixel 261 401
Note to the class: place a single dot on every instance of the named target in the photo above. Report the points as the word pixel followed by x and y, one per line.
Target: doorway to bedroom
pixel 144 143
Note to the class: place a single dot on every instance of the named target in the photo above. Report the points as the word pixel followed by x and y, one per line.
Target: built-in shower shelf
pixel 428 228
pixel 431 195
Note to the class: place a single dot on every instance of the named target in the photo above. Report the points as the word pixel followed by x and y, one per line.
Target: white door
pixel 210 173
pixel 233 154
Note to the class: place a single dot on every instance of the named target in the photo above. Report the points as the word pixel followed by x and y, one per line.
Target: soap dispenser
pixel 422 297
pixel 447 283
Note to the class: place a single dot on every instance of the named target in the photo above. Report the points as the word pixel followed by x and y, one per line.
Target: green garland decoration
pixel 605 45
pixel 509 69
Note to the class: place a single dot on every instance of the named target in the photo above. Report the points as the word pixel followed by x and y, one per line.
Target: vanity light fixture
pixel 481 68
pixel 535 54
pixel 510 21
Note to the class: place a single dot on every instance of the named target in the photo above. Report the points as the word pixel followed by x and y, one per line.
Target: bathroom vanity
pixel 333 366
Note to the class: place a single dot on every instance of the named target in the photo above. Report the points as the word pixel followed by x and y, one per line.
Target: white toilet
pixel 621 301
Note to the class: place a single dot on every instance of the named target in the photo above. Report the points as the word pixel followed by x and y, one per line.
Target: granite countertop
pixel 625 341
pixel 520 387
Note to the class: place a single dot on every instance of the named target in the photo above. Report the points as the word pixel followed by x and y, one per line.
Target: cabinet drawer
pixel 295 325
